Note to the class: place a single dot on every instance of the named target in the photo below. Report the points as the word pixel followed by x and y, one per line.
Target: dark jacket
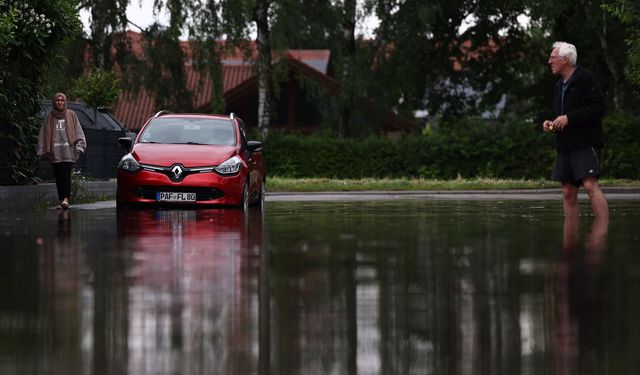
pixel 584 107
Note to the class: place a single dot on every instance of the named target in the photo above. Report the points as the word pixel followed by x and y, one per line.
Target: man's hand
pixel 561 122
pixel 548 126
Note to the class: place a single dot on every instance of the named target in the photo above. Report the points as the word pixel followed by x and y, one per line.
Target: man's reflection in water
pixel 579 300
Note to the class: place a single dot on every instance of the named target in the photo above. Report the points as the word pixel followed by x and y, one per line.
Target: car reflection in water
pixel 192 286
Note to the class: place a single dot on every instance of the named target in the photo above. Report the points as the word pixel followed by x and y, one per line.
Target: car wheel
pixel 261 198
pixel 259 201
pixel 244 204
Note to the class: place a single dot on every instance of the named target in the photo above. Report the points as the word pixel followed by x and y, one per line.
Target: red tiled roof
pixel 133 112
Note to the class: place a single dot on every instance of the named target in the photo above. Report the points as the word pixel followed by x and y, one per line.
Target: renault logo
pixel 177 172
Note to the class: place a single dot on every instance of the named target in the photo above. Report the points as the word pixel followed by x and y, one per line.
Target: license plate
pixel 163 196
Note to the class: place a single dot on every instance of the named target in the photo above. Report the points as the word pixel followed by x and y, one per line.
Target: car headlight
pixel 231 166
pixel 128 163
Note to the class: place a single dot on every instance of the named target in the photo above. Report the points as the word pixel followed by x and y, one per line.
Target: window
pixel 184 130
pixel 243 133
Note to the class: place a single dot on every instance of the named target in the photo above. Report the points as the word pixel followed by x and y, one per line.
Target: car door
pixel 254 161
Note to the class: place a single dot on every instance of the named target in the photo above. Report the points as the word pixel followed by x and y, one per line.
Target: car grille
pixel 202 194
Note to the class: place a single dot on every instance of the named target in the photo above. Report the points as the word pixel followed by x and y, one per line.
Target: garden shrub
pixel 31 35
pixel 621 154
pixel 469 148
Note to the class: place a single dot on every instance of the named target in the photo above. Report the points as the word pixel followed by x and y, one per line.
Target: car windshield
pixel 185 130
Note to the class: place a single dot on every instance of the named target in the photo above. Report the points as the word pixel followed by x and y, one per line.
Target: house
pixel 296 111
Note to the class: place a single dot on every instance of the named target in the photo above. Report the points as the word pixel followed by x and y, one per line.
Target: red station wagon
pixel 191 159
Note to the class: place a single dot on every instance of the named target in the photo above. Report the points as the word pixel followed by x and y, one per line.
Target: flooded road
pixel 407 286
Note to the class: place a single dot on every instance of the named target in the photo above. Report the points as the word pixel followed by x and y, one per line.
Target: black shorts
pixel 573 166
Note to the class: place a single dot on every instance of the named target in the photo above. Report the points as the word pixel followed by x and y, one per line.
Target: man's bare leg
pixel 570 199
pixel 598 201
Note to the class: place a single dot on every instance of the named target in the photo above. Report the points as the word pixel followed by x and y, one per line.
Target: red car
pixel 191 159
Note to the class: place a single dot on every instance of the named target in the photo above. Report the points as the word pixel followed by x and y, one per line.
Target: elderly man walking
pixel 578 106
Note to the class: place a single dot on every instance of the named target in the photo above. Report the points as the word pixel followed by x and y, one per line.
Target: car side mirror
pixel 125 142
pixel 254 146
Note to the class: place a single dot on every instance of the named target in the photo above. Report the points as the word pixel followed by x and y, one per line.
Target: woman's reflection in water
pixel 64 224
pixel 579 300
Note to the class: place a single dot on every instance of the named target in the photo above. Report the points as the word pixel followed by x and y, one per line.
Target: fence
pixel 101 158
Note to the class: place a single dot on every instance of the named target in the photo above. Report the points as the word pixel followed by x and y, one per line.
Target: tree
pixel 263 44
pixel 161 67
pixel 108 18
pixel 599 39
pixel 33 33
pixel 206 30
pixel 348 64
pixel 97 88
pixel 452 57
pixel 628 12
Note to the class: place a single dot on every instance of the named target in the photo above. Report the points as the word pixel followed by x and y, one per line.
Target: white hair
pixel 567 50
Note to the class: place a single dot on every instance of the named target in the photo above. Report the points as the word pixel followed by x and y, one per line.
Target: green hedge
pixel 621 154
pixel 470 148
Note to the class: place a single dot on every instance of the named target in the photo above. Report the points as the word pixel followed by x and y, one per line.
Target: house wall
pixel 294 110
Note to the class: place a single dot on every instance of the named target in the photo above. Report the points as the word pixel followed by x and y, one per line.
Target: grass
pixel 281 184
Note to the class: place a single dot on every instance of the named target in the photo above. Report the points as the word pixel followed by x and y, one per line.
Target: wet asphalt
pixel 44 196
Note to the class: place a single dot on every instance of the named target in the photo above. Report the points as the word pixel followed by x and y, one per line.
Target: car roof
pixel 193 115
pixel 104 120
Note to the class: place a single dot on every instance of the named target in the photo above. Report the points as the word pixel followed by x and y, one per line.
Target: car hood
pixel 187 155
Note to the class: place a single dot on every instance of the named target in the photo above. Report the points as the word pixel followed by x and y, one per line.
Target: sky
pixel 140 12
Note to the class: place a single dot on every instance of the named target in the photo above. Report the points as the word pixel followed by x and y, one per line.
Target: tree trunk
pixel 348 58
pixel 97 39
pixel 265 86
pixel 616 75
pixel 217 94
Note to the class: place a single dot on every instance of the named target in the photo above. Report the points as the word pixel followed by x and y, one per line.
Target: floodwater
pixel 405 286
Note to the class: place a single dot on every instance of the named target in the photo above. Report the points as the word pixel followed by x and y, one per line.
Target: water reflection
pixel 407 287
pixel 461 292
pixel 579 330
pixel 192 300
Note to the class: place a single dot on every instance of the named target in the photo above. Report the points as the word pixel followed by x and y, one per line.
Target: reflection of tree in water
pixel 434 292
pixel 579 332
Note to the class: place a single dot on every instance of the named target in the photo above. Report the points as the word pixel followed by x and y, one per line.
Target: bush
pixel 32 32
pixel 622 146
pixel 470 148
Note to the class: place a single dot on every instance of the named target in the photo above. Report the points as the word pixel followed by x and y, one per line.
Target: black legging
pixel 62 173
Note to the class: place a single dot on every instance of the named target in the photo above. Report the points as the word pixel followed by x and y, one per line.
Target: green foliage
pixel 628 11
pixel 7 28
pixel 622 146
pixel 65 68
pixel 33 33
pixel 96 88
pixel 108 18
pixel 163 70
pixel 78 186
pixel 469 148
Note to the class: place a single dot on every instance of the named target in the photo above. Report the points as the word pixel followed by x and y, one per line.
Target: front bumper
pixel 211 189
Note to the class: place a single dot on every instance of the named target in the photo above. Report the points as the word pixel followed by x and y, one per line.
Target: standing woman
pixel 61 141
